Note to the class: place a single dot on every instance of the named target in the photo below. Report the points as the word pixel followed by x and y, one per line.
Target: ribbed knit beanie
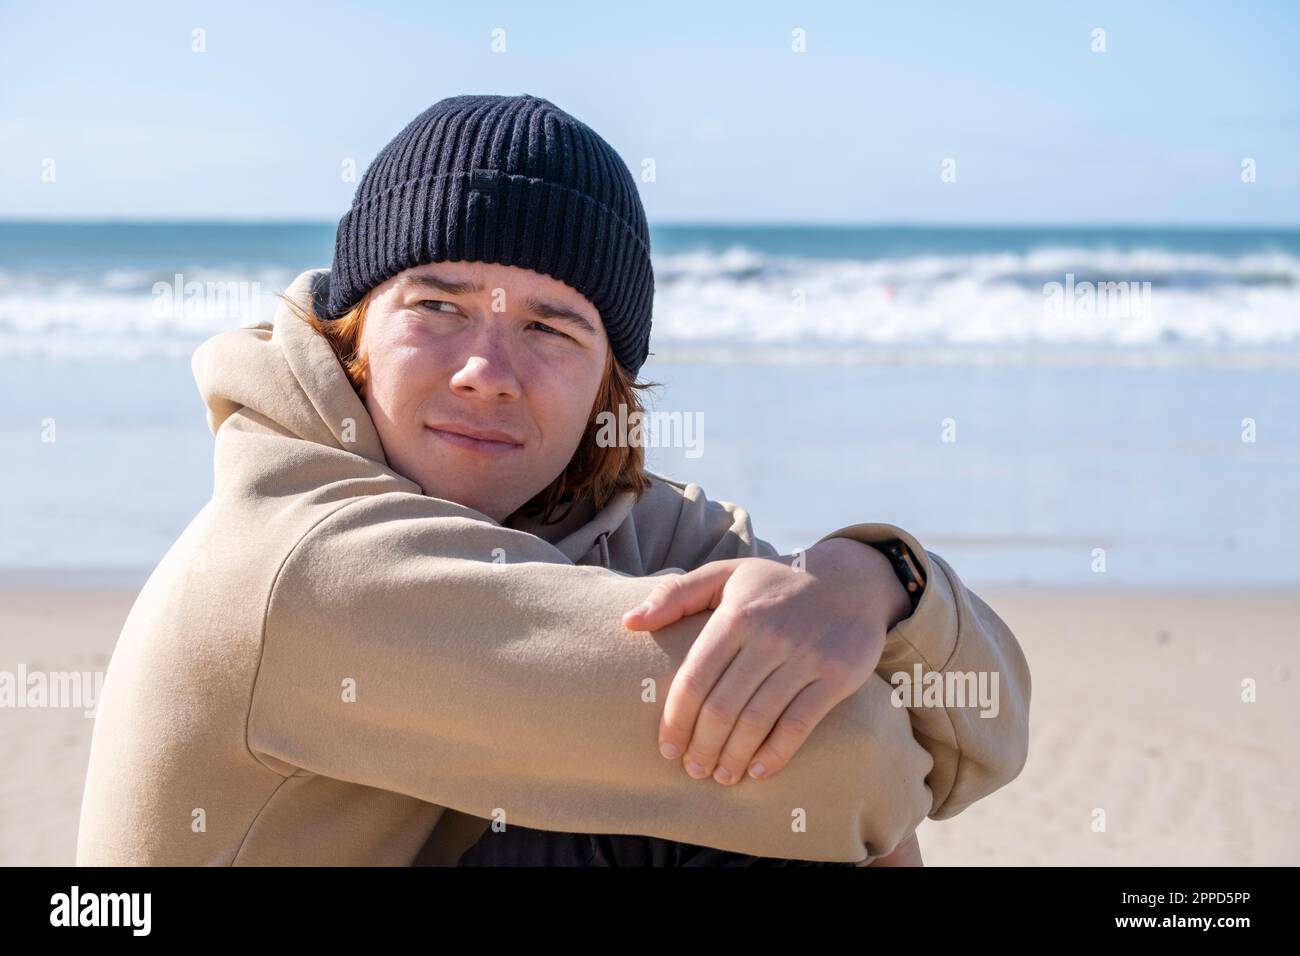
pixel 513 180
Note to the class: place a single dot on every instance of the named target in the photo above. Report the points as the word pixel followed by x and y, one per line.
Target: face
pixel 481 379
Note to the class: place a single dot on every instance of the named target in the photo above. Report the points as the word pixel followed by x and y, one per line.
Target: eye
pixel 552 331
pixel 432 305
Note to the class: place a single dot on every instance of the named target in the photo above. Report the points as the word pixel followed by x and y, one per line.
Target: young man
pixel 422 585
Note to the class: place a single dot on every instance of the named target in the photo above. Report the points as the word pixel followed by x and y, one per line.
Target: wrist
pixel 872 575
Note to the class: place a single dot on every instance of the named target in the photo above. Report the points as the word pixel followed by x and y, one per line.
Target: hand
pixel 782 648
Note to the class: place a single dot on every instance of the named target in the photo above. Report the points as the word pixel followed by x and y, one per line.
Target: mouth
pixel 472 439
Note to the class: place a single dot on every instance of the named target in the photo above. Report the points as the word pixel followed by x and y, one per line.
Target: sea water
pixel 1142 429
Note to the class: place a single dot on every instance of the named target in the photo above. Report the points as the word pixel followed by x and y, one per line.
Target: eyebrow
pixel 539 308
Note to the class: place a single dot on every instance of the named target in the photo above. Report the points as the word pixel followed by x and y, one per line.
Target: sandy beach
pixel 1137 712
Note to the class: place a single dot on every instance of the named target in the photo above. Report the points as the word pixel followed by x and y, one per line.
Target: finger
pixel 707 659
pixel 805 712
pixel 723 705
pixel 757 718
pixel 681 595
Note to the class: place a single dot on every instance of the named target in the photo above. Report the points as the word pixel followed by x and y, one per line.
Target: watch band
pixel 905 565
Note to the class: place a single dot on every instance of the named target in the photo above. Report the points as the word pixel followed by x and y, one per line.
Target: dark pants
pixel 520 846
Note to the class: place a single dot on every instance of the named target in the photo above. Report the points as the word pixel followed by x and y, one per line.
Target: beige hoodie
pixel 327 661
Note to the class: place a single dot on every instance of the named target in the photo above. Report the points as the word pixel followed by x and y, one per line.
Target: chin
pixel 466 497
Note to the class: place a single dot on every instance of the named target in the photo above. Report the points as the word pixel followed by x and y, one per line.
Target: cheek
pixel 564 404
pixel 400 374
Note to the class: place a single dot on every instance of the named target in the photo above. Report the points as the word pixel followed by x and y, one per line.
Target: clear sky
pixel 741 129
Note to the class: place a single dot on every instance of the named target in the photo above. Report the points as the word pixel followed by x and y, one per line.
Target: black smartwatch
pixel 906 566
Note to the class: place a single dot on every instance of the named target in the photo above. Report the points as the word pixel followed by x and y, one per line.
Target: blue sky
pixel 741 129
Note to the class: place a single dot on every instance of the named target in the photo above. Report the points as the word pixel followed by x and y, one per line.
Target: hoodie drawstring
pixel 603 538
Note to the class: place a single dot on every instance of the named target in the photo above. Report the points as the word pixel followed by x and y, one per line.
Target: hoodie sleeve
pixel 414 646
pixel 977 745
pixel 976 749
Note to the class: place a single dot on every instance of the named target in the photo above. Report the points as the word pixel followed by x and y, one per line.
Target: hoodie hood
pixel 277 386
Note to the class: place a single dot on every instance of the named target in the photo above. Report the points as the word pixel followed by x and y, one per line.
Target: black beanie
pixel 513 180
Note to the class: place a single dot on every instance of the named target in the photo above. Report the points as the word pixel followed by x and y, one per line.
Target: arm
pixel 976 749
pixel 478 685
pixel 951 631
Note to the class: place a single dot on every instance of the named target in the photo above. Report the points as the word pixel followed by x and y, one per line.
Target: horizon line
pixel 918 224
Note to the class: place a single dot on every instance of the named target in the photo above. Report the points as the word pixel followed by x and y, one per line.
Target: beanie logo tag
pixel 484 178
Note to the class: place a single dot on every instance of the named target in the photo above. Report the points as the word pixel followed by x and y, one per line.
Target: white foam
pixel 748 300
pixel 984 299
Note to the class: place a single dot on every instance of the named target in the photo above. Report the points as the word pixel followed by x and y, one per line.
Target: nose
pixel 487 372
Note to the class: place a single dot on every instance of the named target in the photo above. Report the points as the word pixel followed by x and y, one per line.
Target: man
pixel 425 587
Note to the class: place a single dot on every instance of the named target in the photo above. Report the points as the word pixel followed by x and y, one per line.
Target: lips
pixel 475 439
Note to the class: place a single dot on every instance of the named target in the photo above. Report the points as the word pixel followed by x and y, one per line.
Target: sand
pixel 1137 711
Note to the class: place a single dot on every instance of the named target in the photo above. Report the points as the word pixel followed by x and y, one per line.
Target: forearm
pixel 975 750
pixel 978 737
pixel 514 687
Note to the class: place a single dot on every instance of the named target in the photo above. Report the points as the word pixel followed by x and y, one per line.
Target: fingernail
pixel 722 775
pixel 695 770
pixel 641 608
pixel 757 770
pixel 669 750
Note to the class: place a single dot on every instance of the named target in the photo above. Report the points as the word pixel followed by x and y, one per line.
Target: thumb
pixel 681 595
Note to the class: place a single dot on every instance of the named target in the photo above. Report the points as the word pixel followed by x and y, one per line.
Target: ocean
pixel 1089 408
